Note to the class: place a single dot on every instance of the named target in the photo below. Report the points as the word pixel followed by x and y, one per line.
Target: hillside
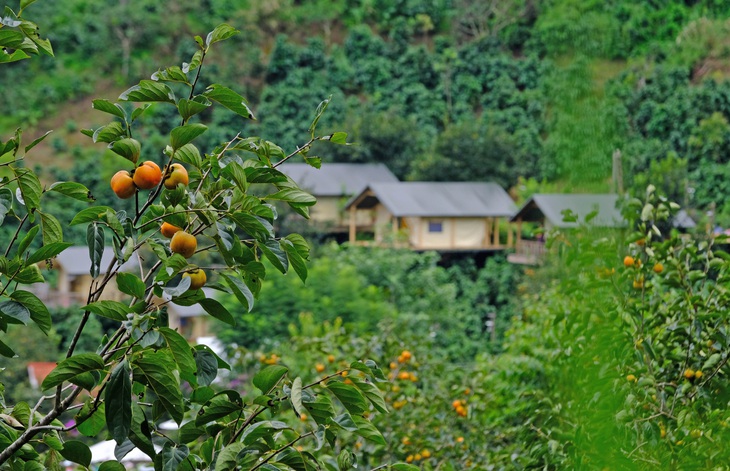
pixel 442 90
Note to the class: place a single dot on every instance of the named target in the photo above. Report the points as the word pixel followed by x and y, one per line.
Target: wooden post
pixel 353 230
pixel 452 234
pixel 487 232
pixel 519 233
pixel 495 234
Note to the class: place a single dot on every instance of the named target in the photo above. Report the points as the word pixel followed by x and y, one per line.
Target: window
pixel 435 226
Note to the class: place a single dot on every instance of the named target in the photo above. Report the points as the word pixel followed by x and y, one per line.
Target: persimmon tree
pixel 145 372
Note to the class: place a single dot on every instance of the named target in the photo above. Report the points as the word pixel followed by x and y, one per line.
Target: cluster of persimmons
pixel 146 176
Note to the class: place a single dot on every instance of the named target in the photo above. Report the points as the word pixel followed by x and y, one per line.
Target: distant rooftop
pixel 438 199
pixel 76 260
pixel 337 179
pixel 552 206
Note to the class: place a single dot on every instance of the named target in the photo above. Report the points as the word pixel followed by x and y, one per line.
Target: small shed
pixel 550 209
pixel 333 184
pixel 435 215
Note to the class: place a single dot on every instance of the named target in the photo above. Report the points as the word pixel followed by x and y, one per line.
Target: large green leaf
pixel 230 99
pixel 95 241
pixel 38 311
pixel 47 252
pixel 206 365
pixel 172 456
pixel 109 309
pixel 216 408
pixel 72 367
pixel 149 91
pixel 227 459
pixel 217 310
pixel 268 377
pixel 183 135
pixel 131 284
pixel 240 290
pixel 295 258
pixel 220 33
pixel 30 188
pixel 108 107
pixel 77 452
pixel 257 227
pixel 95 213
pixel 296 395
pixel 189 108
pixel 128 148
pixel 158 369
pixel 372 393
pixel 293 195
pixel 51 228
pixel 109 133
pixel 14 312
pixel 91 421
pixel 181 353
pixel 262 429
pixel 368 431
pixel 350 397
pixel 73 190
pixel 189 154
pixel 118 400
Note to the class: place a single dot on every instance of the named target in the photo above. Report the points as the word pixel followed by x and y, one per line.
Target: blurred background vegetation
pixel 535 95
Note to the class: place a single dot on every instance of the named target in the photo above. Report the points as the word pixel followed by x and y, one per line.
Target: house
pixel 332 185
pixel 550 210
pixel 433 215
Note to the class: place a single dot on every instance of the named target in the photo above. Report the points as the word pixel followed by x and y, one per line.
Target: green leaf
pixel 350 397
pixel 130 284
pixel 220 33
pixel 51 228
pixel 318 114
pixel 128 148
pixel 38 311
pixel 293 195
pixel 172 456
pixel 14 312
pixel 30 188
pixel 320 408
pixel 6 203
pixel 107 106
pixel 109 309
pixel 77 452
pixel 118 400
pixel 262 429
pixel 337 138
pixel 138 111
pixel 170 74
pixel 182 135
pixel 296 395
pixel 47 252
pixel 181 353
pixel 73 190
pixel 91 425
pixel 368 431
pixel 295 258
pixel 189 154
pixel 149 91
pixel 268 377
pixel 141 435
pixel 72 367
pixel 6 351
pixel 216 408
pixel 37 141
pixel 111 466
pixel 195 61
pixel 240 290
pixel 272 250
pixel 158 368
pixel 94 213
pixel 258 228
pixel 109 133
pixel 206 365
pixel 403 467
pixel 217 310
pixel 227 459
pixel 372 393
pixel 345 422
pixel 229 99
pixel 95 241
pixel 188 108
pixel 28 239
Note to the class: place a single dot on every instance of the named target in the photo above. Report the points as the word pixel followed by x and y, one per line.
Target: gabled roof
pixel 335 179
pixel 76 260
pixel 552 206
pixel 437 199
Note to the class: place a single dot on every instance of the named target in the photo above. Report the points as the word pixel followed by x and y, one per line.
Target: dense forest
pixel 593 363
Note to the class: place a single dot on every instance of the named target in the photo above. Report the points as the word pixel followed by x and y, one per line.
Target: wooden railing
pixel 527 252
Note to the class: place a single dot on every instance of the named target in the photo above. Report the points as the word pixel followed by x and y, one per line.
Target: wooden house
pixel 444 216
pixel 333 185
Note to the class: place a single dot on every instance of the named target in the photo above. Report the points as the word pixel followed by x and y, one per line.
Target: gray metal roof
pixel 440 199
pixel 76 260
pixel 335 179
pixel 551 207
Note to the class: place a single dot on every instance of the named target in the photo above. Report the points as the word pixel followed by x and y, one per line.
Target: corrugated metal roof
pixel 551 206
pixel 76 261
pixel 336 179
pixel 443 199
